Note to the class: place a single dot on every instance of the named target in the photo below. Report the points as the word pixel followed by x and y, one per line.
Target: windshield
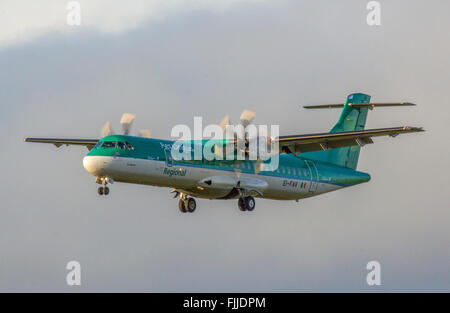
pixel 130 146
pixel 108 144
pixel 98 144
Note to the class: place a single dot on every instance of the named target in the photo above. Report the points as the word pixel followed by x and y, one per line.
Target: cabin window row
pixel 292 171
pixel 301 172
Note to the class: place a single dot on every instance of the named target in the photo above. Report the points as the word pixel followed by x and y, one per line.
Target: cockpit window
pixel 130 146
pixel 108 144
pixel 98 144
pixel 121 145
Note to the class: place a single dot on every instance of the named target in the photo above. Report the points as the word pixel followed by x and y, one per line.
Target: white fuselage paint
pixel 187 178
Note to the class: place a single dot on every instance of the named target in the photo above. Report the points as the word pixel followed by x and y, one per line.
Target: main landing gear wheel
pixel 247 203
pixel 187 205
pixel 250 203
pixel 103 191
pixel 182 206
pixel 241 204
pixel 191 205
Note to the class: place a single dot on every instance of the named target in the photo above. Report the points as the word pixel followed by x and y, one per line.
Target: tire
pixel 250 203
pixel 106 191
pixel 191 205
pixel 100 191
pixel 182 206
pixel 241 204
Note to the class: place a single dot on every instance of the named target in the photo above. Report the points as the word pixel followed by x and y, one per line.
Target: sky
pixel 168 61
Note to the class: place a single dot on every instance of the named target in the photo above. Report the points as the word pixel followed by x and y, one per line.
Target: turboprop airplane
pixel 309 165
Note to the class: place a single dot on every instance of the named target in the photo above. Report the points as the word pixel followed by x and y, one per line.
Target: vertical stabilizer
pixel 351 119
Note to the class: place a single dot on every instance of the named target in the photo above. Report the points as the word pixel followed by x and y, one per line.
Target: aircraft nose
pixel 93 165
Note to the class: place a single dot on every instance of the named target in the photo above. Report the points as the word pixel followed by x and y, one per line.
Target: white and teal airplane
pixel 309 165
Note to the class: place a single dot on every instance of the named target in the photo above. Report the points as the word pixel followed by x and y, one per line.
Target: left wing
pixel 88 143
pixel 327 141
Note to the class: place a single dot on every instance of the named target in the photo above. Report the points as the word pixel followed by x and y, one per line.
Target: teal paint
pixel 290 166
pixel 351 119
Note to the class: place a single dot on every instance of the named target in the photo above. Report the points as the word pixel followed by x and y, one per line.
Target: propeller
pixel 126 121
pixel 246 119
pixel 145 133
pixel 107 130
pixel 226 121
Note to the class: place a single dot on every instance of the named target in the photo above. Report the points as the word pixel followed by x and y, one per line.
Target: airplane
pixel 309 164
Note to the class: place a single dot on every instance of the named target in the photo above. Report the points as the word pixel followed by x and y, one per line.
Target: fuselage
pixel 148 161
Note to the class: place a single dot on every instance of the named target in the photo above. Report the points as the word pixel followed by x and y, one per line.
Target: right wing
pixel 326 141
pixel 88 143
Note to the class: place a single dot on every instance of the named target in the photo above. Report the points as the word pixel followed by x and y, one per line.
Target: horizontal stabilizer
pixel 369 105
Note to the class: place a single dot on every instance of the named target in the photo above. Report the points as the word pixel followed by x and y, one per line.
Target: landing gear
pixel 191 205
pixel 186 204
pixel 241 204
pixel 182 206
pixel 247 203
pixel 250 203
pixel 103 191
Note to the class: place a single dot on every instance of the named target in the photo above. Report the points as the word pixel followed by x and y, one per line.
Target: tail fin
pixel 352 118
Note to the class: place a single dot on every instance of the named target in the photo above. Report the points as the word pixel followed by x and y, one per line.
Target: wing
pixel 327 141
pixel 88 143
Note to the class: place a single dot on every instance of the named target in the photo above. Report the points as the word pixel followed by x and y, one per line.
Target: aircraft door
pixel 314 175
pixel 169 159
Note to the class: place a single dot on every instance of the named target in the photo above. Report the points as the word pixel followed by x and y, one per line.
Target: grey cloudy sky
pixel 168 61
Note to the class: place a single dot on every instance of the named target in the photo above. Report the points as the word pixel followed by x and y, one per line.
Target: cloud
pixel 22 20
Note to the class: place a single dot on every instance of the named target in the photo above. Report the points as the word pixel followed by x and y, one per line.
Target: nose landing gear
pixel 103 190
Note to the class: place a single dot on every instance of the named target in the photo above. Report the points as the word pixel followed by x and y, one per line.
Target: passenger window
pixel 108 144
pixel 130 146
pixel 121 145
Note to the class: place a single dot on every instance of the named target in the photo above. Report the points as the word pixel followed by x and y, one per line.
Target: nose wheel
pixel 103 191
pixel 246 203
